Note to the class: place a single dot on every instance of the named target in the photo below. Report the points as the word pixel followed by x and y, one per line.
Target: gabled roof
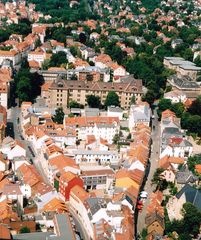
pixel 184 176
pixel 61 161
pixel 192 195
pixel 166 161
pixel 55 205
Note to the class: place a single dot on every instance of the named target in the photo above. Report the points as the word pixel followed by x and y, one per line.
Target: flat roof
pixel 65 227
pixel 174 58
pixel 33 236
pixel 190 67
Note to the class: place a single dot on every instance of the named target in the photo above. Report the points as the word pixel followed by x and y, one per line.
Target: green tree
pixel 192 161
pixel 116 138
pixel 82 38
pixel 197 61
pixel 46 64
pixel 38 43
pixel 133 100
pixel 74 77
pixel 192 219
pixel 195 108
pixel 59 116
pixel 23 89
pixel 112 99
pixel 178 109
pixel 157 176
pixel 25 230
pixel 163 105
pixel 74 104
pixel 58 59
pixel 93 101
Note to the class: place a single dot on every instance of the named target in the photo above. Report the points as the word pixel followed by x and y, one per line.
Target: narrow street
pixel 153 165
pixel 79 226
pixel 12 115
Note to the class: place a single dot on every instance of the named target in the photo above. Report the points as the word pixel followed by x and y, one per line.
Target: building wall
pixel 96 158
pixel 4 99
pixel 65 188
pixel 57 99
pixel 191 73
pixel 15 59
pixel 77 206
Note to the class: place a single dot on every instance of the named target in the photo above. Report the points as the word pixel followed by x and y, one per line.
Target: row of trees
pixel 93 101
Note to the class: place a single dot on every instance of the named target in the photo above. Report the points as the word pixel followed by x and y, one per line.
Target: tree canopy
pixel 189 226
pixel 25 230
pixel 93 101
pixel 74 104
pixel 59 116
pixel 177 108
pixel 27 84
pixel 58 59
pixel 112 99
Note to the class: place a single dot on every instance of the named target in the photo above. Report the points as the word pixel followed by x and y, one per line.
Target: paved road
pixel 12 115
pixel 153 165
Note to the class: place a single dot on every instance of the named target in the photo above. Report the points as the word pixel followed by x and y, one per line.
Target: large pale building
pixel 61 92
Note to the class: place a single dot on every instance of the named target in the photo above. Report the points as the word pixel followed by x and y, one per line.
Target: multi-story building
pixel 96 157
pixel 139 113
pixel 62 92
pixel 99 178
pixel 38 57
pixel 182 67
pixel 12 55
pixel 67 181
pixel 101 127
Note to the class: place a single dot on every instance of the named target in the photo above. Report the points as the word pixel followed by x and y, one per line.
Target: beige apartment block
pixel 61 92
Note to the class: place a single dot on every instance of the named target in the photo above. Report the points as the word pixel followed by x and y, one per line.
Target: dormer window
pixel 60 84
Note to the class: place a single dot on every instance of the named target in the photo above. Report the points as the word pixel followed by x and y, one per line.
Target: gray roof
pixel 114 109
pixel 174 58
pixel 183 83
pixel 171 130
pixel 65 228
pixel 139 115
pixel 91 112
pixel 33 236
pixel 190 67
pixel 192 195
pixel 94 204
pixel 184 176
